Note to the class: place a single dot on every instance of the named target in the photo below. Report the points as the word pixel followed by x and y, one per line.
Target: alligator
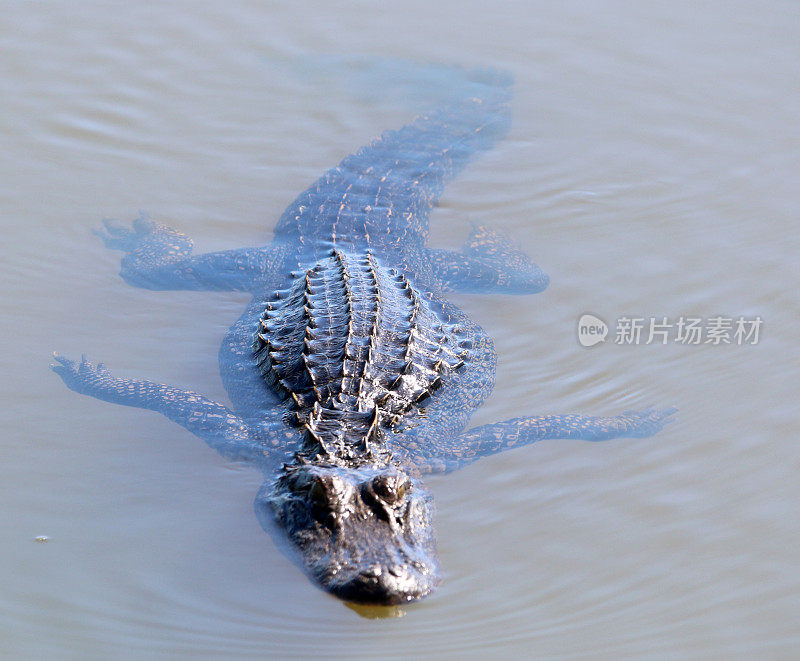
pixel 350 375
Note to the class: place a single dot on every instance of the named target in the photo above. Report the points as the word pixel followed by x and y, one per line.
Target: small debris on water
pixel 41 539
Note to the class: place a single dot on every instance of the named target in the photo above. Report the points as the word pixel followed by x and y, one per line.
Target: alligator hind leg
pixel 452 454
pixel 488 262
pixel 232 436
pixel 159 257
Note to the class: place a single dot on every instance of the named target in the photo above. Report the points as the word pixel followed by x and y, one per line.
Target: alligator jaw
pixel 380 586
pixel 388 578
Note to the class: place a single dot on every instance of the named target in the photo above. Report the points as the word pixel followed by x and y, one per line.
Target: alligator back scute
pixel 354 345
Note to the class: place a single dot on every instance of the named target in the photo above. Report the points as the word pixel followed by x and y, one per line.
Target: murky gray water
pixel 651 170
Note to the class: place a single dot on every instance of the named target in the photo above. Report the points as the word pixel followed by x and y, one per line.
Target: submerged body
pixel 350 376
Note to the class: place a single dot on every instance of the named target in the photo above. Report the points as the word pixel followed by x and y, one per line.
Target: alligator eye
pixel 327 492
pixel 319 495
pixel 390 488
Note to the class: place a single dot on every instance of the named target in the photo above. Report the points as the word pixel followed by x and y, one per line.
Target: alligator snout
pixel 386 586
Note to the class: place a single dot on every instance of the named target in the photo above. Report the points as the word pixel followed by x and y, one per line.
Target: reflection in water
pixel 376 612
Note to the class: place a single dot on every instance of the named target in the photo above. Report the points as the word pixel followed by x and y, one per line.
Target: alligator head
pixel 365 534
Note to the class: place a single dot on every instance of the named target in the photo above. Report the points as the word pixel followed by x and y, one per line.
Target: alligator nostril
pixel 372 572
pixel 396 570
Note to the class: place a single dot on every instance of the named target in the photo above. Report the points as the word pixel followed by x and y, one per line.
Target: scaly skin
pixel 350 376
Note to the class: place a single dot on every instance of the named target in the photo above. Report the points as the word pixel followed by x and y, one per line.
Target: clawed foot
pixel 647 422
pixel 79 376
pixel 144 234
pixel 119 236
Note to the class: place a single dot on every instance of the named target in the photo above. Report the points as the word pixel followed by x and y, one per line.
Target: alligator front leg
pixel 230 435
pixel 488 262
pixel 159 257
pixel 500 436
